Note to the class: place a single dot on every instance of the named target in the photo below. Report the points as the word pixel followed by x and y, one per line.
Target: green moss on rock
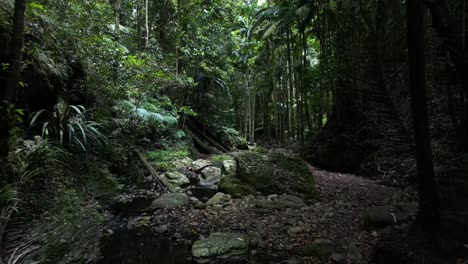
pixel 217 160
pixel 235 187
pixel 275 173
pixel 222 246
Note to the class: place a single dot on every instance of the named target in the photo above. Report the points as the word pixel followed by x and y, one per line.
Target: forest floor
pixel 334 220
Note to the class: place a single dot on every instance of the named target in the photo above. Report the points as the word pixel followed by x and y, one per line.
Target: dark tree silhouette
pixel 8 95
pixel 429 209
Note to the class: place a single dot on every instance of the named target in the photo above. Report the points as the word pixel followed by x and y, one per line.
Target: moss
pixel 70 231
pixel 260 149
pixel 217 160
pixel 235 187
pixel 275 173
pixel 100 183
pixel 163 160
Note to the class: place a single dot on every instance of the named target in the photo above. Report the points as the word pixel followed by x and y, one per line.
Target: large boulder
pixel 385 215
pixel 180 164
pixel 229 167
pixel 170 200
pixel 200 164
pixel 235 187
pixel 211 175
pixel 221 247
pixel 175 179
pixel 275 173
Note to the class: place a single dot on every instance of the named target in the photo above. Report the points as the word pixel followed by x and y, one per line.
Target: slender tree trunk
pixel 117 19
pixel 428 217
pixel 138 25
pixel 147 22
pixel 8 96
pixel 179 15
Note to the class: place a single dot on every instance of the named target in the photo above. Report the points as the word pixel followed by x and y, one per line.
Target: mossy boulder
pixel 235 187
pixel 275 173
pixel 221 247
pixel 170 200
pixel 219 198
pixel 175 179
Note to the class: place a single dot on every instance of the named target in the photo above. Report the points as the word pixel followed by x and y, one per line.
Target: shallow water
pixel 134 207
pixel 141 246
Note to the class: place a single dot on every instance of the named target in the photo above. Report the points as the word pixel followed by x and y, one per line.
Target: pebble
pixel 160 229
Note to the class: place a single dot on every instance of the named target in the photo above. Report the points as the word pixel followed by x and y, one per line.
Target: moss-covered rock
pixel 221 247
pixel 219 198
pixel 170 200
pixel 235 187
pixel 174 179
pixel 275 173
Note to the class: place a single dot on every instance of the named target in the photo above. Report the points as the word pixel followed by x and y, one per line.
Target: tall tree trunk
pixel 428 217
pixel 138 25
pixel 147 22
pixel 117 19
pixel 179 15
pixel 8 96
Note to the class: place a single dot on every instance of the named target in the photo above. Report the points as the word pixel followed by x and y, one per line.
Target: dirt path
pixel 334 217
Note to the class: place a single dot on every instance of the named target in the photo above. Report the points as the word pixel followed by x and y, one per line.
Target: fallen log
pixel 153 172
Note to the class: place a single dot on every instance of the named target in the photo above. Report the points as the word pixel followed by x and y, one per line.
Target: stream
pixel 142 246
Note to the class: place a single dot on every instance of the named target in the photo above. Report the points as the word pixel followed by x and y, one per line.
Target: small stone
pixel 160 229
pixel 338 258
pixel 200 206
pixel 177 236
pixel 194 200
pixel 217 207
pixel 133 223
pixel 295 230
pixel 353 255
pixel 253 242
pixel 109 232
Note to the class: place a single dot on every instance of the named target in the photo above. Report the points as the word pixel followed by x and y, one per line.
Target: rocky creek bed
pixel 340 223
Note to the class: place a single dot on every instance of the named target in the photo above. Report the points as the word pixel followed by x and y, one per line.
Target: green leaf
pixel 35 116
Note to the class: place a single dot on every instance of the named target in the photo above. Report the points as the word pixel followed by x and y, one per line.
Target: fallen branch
pixel 153 172
pixel 202 145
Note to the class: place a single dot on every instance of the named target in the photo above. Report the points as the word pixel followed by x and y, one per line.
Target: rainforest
pixel 233 131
